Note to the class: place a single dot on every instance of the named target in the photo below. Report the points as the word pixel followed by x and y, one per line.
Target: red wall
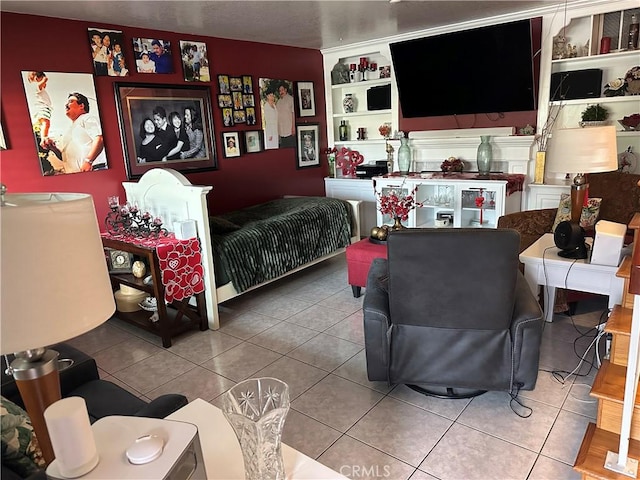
pixel 238 182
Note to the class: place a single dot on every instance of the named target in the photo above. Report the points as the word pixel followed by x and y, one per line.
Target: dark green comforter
pixel 262 242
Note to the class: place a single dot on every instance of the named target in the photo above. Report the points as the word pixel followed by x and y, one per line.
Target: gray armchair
pixel 450 314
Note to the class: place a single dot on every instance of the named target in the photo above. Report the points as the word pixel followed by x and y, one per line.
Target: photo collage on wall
pixel 236 100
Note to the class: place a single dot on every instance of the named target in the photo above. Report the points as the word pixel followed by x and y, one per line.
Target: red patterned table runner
pixel 515 181
pixel 180 263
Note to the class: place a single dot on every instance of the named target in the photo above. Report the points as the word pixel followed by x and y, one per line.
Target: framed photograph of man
pixel 195 64
pixel 306 99
pixel 251 116
pixel 231 144
pixel 247 84
pixel 166 126
pixel 307 137
pixel 153 55
pixel 107 52
pixel 65 121
pixel 253 141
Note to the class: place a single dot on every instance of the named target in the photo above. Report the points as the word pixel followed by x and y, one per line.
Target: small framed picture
pixel 251 116
pixel 306 100
pixel 231 144
pixel 253 141
pixel 247 84
pixel 307 145
pixel 227 117
pixel 236 84
pixel 119 261
pixel 224 101
pixel 223 84
pixel 239 116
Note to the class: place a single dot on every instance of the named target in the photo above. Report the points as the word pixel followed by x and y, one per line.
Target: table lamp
pixel 54 286
pixel 582 150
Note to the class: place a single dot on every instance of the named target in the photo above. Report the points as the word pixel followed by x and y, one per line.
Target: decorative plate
pixel 627 161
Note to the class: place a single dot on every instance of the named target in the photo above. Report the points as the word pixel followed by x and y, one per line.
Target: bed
pixel 169 195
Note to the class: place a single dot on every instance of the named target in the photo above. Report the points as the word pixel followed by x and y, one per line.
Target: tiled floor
pixel 307 331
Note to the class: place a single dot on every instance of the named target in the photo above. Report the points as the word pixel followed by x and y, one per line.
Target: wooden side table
pixel 173 318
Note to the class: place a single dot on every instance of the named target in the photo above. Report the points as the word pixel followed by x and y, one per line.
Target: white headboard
pixel 167 194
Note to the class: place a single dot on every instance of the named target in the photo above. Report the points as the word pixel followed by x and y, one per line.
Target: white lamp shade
pixel 582 150
pixel 54 283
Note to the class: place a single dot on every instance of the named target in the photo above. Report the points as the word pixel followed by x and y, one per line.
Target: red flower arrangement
pixel 348 160
pixel 397 205
pixel 479 204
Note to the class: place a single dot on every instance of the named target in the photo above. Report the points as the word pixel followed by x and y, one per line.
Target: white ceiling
pixel 311 24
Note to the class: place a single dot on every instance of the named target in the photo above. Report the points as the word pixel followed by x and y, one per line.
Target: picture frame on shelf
pixel 230 144
pixel 307 140
pixel 119 261
pixel 253 142
pixel 137 103
pixel 306 99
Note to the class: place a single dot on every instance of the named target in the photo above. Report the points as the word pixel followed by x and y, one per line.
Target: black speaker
pixel 379 98
pixel 576 84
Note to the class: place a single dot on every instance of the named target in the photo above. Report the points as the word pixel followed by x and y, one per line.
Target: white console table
pixel 543 266
pixel 221 450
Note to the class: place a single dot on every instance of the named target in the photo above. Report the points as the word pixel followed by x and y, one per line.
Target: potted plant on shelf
pixel 594 115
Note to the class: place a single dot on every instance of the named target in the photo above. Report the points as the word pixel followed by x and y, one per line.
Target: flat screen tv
pixel 483 70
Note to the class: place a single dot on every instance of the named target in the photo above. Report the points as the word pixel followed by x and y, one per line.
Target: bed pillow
pixel 20 450
pixel 589 215
pixel 220 226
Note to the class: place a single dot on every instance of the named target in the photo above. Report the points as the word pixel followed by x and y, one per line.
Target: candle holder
pixel 127 220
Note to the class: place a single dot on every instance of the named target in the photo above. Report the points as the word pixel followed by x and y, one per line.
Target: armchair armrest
pixel 526 335
pixel 162 406
pixel 376 321
pixel 530 224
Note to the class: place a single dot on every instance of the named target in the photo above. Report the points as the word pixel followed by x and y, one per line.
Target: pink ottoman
pixel 359 258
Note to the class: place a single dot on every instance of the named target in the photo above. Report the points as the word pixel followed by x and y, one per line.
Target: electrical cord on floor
pixel 515 399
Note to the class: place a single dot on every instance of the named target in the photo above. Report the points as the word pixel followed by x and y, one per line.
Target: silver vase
pixel 256 409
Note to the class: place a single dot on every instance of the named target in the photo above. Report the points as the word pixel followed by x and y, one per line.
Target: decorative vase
pixel 538 176
pixel 349 103
pixel 404 156
pixel 397 224
pixel 485 155
pixel 256 409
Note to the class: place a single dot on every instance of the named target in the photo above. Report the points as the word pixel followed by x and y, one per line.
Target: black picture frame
pixel 307 144
pixel 136 103
pixel 226 149
pixel 306 99
pixel 253 141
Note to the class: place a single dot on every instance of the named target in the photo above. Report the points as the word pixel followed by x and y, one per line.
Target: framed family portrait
pixel 306 99
pixel 253 141
pixel 107 52
pixel 165 126
pixel 231 144
pixel 307 138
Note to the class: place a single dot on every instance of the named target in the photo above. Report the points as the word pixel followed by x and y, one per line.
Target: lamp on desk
pixel 583 150
pixel 54 286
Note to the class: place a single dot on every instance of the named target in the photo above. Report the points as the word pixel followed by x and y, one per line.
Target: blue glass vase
pixel 485 155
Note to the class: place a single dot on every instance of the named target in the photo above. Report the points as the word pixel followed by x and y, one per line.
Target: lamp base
pixel 576 253
pixel 39 384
